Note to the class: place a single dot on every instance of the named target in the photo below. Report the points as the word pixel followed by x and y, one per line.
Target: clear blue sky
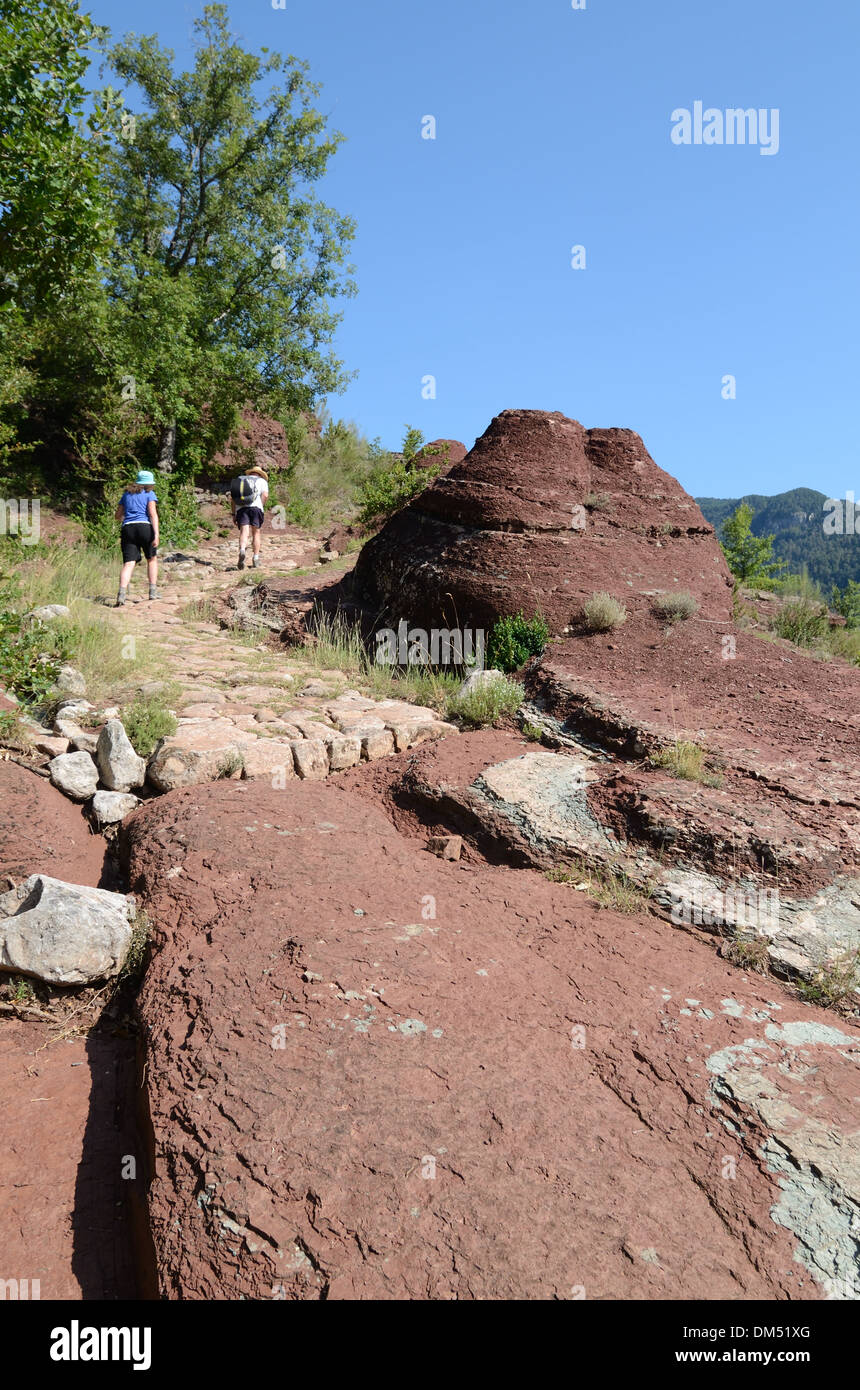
pixel 553 129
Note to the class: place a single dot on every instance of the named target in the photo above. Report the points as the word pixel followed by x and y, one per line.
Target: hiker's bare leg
pixel 126 573
pixel 257 539
pixel 152 569
pixel 243 536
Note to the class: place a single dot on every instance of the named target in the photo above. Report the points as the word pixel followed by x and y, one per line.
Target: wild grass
pixel 802 621
pixel 76 577
pixel 833 982
pixel 674 607
pixel 750 953
pixel 609 885
pixel 686 760
pixel 481 707
pixel 602 613
pixel 200 610
pixel 146 720
pixel 337 646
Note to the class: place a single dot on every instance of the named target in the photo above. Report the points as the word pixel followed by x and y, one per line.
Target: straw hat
pixel 258 472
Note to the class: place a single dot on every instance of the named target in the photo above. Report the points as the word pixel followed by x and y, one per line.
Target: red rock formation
pixel 376 1074
pixel 538 516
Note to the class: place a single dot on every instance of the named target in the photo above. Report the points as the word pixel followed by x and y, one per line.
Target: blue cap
pixel 144 476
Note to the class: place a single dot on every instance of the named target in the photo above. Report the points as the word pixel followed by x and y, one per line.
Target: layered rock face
pixel 376 1074
pixel 538 516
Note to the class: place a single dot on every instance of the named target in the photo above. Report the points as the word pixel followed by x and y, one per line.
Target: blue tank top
pixel 134 505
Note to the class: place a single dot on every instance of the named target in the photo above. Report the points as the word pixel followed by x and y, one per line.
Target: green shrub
pixel 30 655
pixel 146 720
pixel 394 482
pixel 487 702
pixel 675 607
pixel 513 640
pixel 847 602
pixel 603 613
pixel 802 622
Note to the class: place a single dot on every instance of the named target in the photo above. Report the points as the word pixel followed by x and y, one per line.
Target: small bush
pixel 750 953
pixel 481 707
pixel 686 759
pixel 596 501
pixel 30 655
pixel 146 720
pixel 833 982
pixel 603 613
pixel 609 885
pixel 513 640
pixel 675 607
pixel 231 764
pixel 801 621
pixel 389 487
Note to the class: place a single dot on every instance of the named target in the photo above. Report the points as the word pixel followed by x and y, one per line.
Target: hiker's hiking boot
pixel 241 564
pixel 121 597
pixel 257 562
pixel 153 591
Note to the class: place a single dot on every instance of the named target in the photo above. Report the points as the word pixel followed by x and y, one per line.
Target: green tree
pixel 52 215
pixel 54 223
pixel 749 557
pixel 847 602
pixel 220 288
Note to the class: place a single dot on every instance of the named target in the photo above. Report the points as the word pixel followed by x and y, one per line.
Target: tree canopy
pixel 217 266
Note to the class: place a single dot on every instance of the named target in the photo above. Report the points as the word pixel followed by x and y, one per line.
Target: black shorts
pixel 249 516
pixel 137 536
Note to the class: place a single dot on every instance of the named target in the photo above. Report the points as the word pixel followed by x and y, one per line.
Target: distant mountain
pixel 796 520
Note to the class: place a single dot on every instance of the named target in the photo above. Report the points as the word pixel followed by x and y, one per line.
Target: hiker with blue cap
pixel 138 513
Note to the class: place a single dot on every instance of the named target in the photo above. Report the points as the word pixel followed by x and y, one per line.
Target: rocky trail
pixel 522 1012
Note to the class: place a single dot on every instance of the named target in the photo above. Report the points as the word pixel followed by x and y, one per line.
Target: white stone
pixel 75 774
pixel 64 933
pixel 120 768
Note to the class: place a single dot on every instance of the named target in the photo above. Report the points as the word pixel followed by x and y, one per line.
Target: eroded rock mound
pixel 538 516
pixel 373 1073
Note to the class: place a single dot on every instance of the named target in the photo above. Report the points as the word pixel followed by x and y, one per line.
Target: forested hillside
pixel 796 521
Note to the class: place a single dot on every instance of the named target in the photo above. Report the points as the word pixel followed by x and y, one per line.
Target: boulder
pixel 344 751
pixel 375 742
pixel 538 516
pixel 478 679
pixel 109 808
pixel 50 613
pixel 52 745
pixel 120 768
pixel 310 757
pixel 267 757
pixel 440 1082
pixel 71 681
pixel 64 933
pixel 75 774
pixel 196 753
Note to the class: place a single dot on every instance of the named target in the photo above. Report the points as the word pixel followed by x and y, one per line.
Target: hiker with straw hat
pixel 249 494
pixel 138 513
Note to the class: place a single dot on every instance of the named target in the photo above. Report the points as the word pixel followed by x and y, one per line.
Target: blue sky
pixel 553 129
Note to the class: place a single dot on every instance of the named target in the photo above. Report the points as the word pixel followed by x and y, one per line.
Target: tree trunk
pixel 166 448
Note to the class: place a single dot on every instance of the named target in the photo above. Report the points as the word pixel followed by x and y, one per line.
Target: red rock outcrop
pixel 537 517
pixel 256 439
pixel 376 1074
